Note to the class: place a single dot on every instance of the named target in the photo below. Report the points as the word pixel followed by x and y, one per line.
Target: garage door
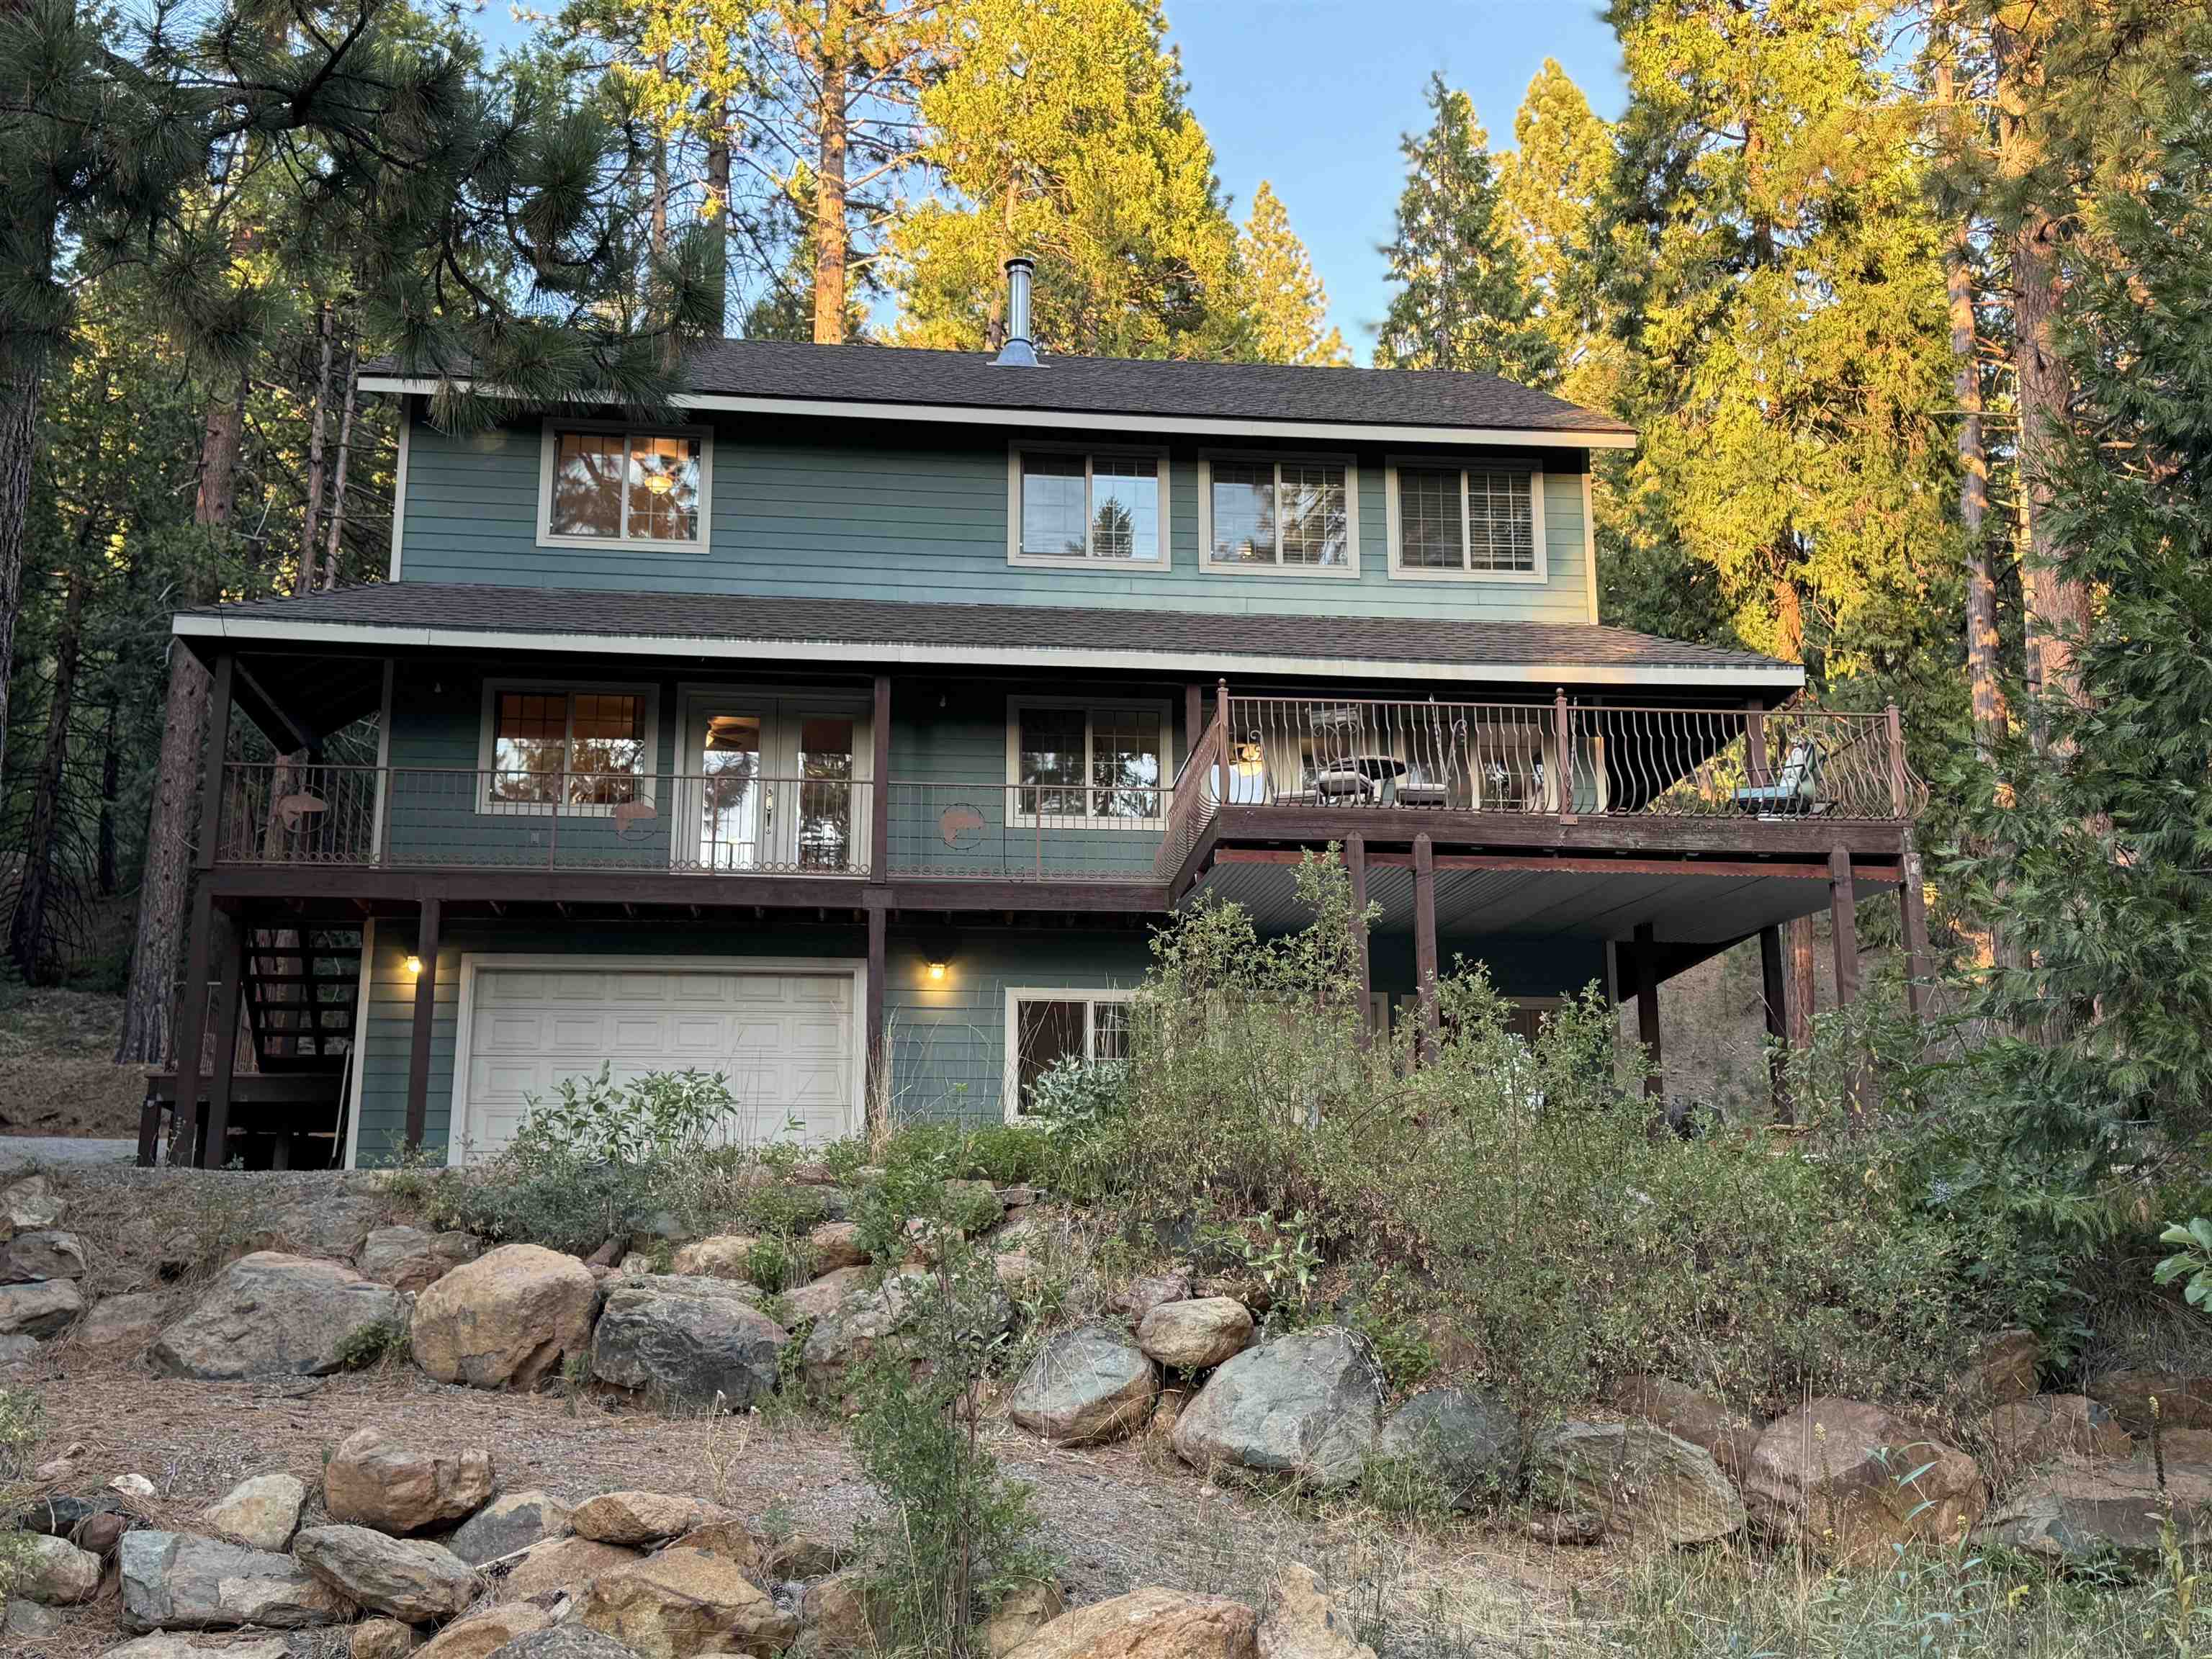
pixel 783 1040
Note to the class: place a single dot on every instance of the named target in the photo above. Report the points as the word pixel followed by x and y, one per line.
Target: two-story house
pixel 848 734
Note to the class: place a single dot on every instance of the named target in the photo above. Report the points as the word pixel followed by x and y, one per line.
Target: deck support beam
pixel 879 781
pixel 1355 866
pixel 1774 988
pixel 191 1024
pixel 426 1010
pixel 1843 919
pixel 1646 956
pixel 1425 942
pixel 232 949
pixel 877 1106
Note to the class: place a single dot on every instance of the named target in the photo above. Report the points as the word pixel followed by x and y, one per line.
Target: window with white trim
pixel 1045 1028
pixel 1077 507
pixel 1105 765
pixel 624 488
pixel 550 747
pixel 1280 514
pixel 1468 521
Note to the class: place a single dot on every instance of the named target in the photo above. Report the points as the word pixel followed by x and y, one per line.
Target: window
pixel 1075 509
pixel 1045 1027
pixel 1101 767
pixel 1474 523
pixel 634 488
pixel 1288 515
pixel 549 748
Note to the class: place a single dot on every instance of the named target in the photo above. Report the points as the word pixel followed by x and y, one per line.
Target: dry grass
pixel 58 1076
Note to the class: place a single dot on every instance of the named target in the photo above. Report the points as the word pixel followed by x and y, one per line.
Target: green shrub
pixel 372 1345
pixel 19 1427
pixel 769 1264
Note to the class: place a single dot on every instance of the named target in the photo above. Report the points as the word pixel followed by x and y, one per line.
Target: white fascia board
pixel 1081 421
pixel 910 654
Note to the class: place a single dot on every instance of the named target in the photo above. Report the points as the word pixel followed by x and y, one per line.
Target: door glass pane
pixel 1313 526
pixel 1429 529
pixel 608 751
pixel 1050 762
pixel 1125 508
pixel 529 735
pixel 1052 506
pixel 825 792
pixel 1125 770
pixel 1244 502
pixel 730 792
pixel 1044 1031
pixel 663 489
pixel 587 485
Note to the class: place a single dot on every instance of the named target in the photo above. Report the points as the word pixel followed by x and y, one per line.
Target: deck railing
pixel 1100 831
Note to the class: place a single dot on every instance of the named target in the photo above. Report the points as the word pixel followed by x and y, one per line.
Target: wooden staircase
pixel 300 986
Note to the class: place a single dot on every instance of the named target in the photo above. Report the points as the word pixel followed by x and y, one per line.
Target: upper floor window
pixel 1293 515
pixel 631 489
pixel 551 746
pixel 1101 767
pixel 1074 509
pixel 1470 524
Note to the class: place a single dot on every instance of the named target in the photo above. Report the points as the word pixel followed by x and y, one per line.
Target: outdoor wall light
pixel 414 965
pixel 937 970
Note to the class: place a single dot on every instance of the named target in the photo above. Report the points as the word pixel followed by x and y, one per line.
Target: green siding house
pixel 849 733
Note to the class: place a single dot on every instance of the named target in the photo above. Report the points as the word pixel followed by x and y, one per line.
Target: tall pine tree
pixel 1463 301
pixel 1287 307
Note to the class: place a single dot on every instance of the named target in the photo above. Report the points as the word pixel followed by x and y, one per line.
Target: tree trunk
pixel 303 579
pixel 111 776
pixel 19 426
pixel 718 208
pixel 1803 986
pixel 28 941
pixel 338 478
pixel 831 234
pixel 219 443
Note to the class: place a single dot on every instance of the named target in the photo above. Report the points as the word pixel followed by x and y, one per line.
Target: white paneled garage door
pixel 784 1039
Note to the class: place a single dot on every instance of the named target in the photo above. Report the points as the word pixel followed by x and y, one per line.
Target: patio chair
pixel 1796 791
pixel 1433 771
pixel 1336 776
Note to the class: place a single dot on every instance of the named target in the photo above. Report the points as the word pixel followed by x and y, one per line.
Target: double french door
pixel 775 783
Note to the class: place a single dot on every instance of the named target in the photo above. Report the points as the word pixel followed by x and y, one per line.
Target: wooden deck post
pixel 1754 745
pixel 1563 743
pixel 191 1026
pixel 1900 787
pixel 880 783
pixel 1194 716
pixel 1774 988
pixel 1647 1015
pixel 426 1008
pixel 1355 866
pixel 1843 917
pixel 232 964
pixel 878 1102
pixel 1912 899
pixel 1804 981
pixel 1425 941
pixel 218 742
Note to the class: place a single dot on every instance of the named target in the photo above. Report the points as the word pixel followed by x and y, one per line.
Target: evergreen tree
pixel 1463 301
pixel 1287 307
pixel 1552 184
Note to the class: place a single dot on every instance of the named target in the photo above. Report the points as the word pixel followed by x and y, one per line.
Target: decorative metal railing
pixel 1098 831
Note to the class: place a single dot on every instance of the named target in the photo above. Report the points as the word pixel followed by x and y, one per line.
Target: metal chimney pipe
pixel 1018 353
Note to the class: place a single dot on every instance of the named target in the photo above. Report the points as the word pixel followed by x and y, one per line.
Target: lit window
pixel 574 749
pixel 624 487
pixel 1288 514
pixel 1090 763
pixel 1051 1028
pixel 1091 507
pixel 1472 521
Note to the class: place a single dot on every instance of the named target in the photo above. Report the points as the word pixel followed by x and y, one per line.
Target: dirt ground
pixel 57 1075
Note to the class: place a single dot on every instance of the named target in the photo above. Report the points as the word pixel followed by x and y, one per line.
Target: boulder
pixel 677 1339
pixel 1195 1335
pixel 40 1311
pixel 505 1320
pixel 1147 1293
pixel 2045 1425
pixel 17 1350
pixel 801 1555
pixel 1300 1622
pixel 508 1525
pixel 121 1325
pixel 860 1324
pixel 262 1512
pixel 834 1614
pixel 733 1540
pixel 42 1254
pixel 2076 1514
pixel 332 1220
pixel 565 1641
pixel 62 1516
pixel 560 1564
pixel 54 1572
pixel 684 1601
pixel 372 1480
pixel 383 1639
pixel 163 1645
pixel 642 1517
pixel 1729 1435
pixel 1086 1386
pixel 27 1204
pixel 1466 1445
pixel 836 1245
pixel 820 1297
pixel 405 1577
pixel 1846 1480
pixel 2003 1369
pixel 26 1622
pixel 1641 1480
pixel 726 1256
pixel 1306 1405
pixel 485 1633
pixel 2185 1401
pixel 1149 1623
pixel 267 1315
pixel 409 1259
pixel 1022 1612
pixel 175 1580
pixel 131 1484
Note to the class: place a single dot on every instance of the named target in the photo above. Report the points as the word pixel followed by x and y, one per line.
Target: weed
pixel 372 1344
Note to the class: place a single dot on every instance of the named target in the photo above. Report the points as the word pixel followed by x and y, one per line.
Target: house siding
pixel 917 514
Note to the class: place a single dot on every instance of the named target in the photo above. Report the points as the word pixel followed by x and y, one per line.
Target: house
pixel 849 734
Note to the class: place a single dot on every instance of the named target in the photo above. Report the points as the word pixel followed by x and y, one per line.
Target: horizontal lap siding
pixel 920 519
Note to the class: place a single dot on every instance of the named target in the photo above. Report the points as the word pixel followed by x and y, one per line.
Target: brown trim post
pixel 191 1026
pixel 1647 1015
pixel 880 785
pixel 1843 918
pixel 1194 717
pixel 1754 743
pixel 226 1036
pixel 1804 980
pixel 218 742
pixel 1898 787
pixel 877 1104
pixel 1355 866
pixel 1425 941
pixel 1563 743
pixel 426 1011
pixel 1774 988
pixel 1912 900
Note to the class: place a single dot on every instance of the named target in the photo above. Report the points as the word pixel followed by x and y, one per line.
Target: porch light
pixel 414 965
pixel 937 970
pixel 659 483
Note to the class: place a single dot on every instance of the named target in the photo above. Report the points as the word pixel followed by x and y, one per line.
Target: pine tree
pixel 1552 184
pixel 1463 301
pixel 1287 307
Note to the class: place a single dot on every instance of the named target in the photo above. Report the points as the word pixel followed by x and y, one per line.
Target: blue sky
pixel 1312 95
